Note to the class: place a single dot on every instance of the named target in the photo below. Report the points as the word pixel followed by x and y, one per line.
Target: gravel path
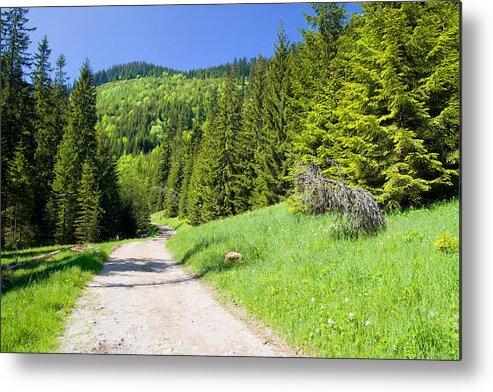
pixel 144 303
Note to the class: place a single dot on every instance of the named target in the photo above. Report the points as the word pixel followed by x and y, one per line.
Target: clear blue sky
pixel 180 37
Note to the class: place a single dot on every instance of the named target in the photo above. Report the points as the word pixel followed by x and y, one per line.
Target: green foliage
pixel 17 230
pixel 447 243
pixel 377 296
pixel 379 93
pixel 43 293
pixel 270 156
pixel 134 197
pixel 88 206
pixel 78 144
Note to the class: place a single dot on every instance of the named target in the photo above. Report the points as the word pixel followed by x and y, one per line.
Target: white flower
pixel 350 315
pixel 432 313
pixel 366 294
pixel 456 325
pixel 313 300
pixel 330 322
pixel 367 323
pixel 346 299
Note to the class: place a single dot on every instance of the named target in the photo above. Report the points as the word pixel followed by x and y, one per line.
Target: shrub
pixel 356 210
pixel 447 243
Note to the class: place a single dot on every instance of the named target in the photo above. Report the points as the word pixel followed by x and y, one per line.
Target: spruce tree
pixel 271 172
pixel 16 105
pixel 78 144
pixel 46 133
pixel 16 217
pixel 314 89
pixel 383 114
pixel 227 125
pixel 86 224
pixel 248 140
pixel 175 177
pixel 110 213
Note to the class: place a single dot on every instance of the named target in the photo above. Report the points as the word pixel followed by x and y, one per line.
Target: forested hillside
pixel 377 93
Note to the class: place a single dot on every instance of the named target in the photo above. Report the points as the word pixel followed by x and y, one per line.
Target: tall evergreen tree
pixel 87 219
pixel 175 177
pixel 16 217
pixel 46 136
pixel 227 125
pixel 16 105
pixel 78 144
pixel 110 212
pixel 270 181
pixel 248 140
pixel 314 90
pixel 383 118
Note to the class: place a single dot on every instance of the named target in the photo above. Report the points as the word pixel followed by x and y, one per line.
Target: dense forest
pixel 378 93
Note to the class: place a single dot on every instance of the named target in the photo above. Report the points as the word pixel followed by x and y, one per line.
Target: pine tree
pixel 77 145
pixel 201 190
pixel 227 125
pixel 46 133
pixel 248 139
pixel 190 155
pixel 383 117
pixel 175 177
pixel 110 214
pixel 88 212
pixel 17 215
pixel 16 112
pixel 271 171
pixel 15 91
pixel 314 90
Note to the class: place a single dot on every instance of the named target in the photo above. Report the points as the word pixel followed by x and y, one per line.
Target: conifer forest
pixel 377 92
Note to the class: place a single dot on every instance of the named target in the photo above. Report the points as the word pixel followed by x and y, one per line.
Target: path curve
pixel 142 302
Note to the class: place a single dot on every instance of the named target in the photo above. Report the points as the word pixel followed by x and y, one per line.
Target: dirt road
pixel 144 303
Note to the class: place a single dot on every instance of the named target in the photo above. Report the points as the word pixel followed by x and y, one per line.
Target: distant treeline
pixel 132 70
pixel 140 69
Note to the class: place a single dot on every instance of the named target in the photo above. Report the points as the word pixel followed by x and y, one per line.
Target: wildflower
pixel 455 325
pixel 366 294
pixel 346 299
pixel 330 322
pixel 367 323
pixel 350 315
pixel 432 313
pixel 313 300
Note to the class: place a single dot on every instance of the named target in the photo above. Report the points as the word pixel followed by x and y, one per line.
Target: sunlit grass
pixel 43 293
pixel 394 294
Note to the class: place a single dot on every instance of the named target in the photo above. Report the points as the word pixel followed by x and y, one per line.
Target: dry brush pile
pixel 356 210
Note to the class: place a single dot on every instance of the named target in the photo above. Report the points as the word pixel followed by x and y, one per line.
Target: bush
pixel 447 243
pixel 356 210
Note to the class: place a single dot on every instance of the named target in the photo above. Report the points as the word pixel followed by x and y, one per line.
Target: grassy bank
pixel 43 293
pixel 390 295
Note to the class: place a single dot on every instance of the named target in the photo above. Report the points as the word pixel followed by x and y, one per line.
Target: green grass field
pixel 43 293
pixel 394 294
